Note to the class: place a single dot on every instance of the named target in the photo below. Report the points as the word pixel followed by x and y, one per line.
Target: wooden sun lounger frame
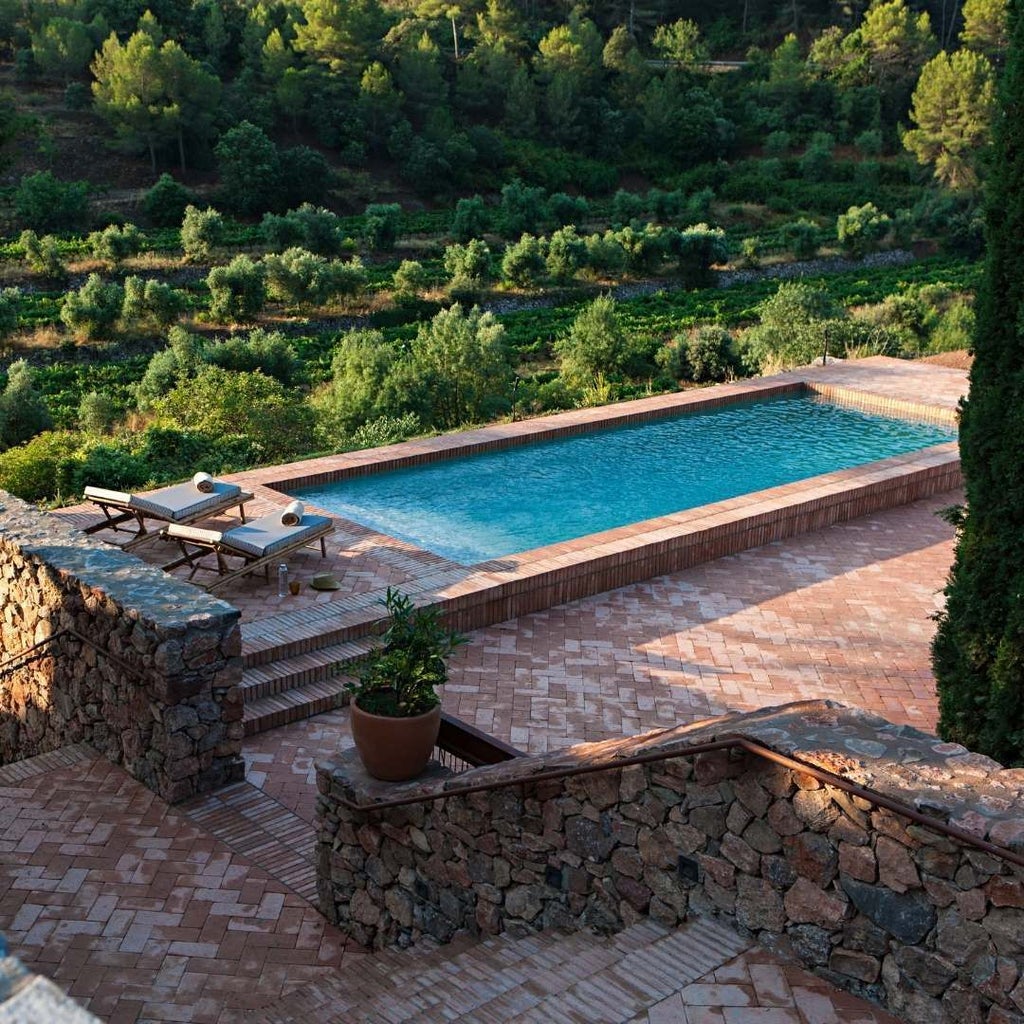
pixel 251 563
pixel 125 513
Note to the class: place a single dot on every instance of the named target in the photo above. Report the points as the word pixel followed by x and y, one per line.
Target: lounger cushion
pixel 183 501
pixel 194 533
pixel 102 494
pixel 266 535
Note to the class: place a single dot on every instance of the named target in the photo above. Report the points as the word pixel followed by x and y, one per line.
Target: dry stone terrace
pixel 199 912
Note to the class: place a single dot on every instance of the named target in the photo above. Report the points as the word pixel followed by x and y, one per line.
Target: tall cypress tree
pixel 978 651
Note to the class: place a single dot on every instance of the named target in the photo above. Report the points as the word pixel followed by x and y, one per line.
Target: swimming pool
pixel 478 507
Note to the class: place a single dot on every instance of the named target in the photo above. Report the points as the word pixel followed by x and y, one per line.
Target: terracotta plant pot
pixel 394 749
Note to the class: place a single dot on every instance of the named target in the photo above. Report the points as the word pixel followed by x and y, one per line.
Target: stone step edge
pixel 296 704
pixel 300 669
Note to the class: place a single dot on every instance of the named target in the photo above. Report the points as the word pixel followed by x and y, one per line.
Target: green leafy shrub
pixel 801 237
pixel 626 207
pixel 43 468
pixel 381 225
pixel 310 227
pixel 97 414
pixel 150 305
pixel 794 324
pixel 165 203
pixel 386 430
pixel 470 220
pixel 564 209
pixel 250 169
pixel 697 248
pixel 409 280
pixel 238 292
pixel 521 209
pixel 45 203
pixel 223 403
pixel 523 263
pixel 94 309
pixel 468 266
pixel 43 255
pixel 268 352
pixel 115 244
pixel 10 302
pixel 861 228
pixel 567 253
pixel 302 278
pixel 23 412
pixel 598 349
pixel 202 231
pixel 709 355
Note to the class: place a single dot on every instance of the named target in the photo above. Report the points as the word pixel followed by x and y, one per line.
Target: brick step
pixel 295 633
pixel 547 978
pixel 295 704
pixel 261 681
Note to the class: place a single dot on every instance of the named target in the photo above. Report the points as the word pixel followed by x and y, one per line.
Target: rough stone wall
pixel 882 906
pixel 142 667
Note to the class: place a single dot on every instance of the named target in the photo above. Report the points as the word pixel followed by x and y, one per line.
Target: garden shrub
pixel 23 412
pixel 43 202
pixel 468 266
pixel 470 220
pixel 381 224
pixel 115 244
pixel 97 414
pixel 223 403
pixel 801 237
pixel 566 254
pixel 302 278
pixel 238 292
pixel 861 228
pixel 165 203
pixel 42 469
pixel 385 430
pixel 409 280
pixel 268 352
pixel 311 227
pixel 149 304
pixel 43 255
pixel 697 248
pixel 521 209
pixel 562 209
pixel 202 231
pixel 709 355
pixel 94 309
pixel 523 264
pixel 10 301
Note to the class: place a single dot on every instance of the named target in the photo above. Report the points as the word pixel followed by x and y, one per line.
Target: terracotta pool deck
pixel 199 912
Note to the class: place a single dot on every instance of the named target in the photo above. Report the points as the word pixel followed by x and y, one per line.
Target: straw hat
pixel 324 581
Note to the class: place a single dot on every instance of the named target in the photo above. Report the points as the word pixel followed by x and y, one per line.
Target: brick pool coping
pixel 504 588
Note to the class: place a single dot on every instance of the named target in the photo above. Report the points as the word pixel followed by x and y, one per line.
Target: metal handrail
pixel 730 742
pixel 35 652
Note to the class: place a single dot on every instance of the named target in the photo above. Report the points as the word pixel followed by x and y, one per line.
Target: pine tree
pixel 978 651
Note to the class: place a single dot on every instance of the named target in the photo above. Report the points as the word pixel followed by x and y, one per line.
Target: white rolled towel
pixel 203 483
pixel 292 514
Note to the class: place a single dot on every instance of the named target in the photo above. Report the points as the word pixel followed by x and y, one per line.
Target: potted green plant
pixel 395 709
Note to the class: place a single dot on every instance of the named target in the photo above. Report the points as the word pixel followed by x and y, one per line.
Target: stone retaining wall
pixel 142 667
pixel 878 904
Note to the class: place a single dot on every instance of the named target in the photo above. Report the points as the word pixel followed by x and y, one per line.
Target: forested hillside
pixel 240 232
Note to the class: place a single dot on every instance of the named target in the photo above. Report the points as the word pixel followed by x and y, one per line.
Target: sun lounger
pixel 183 503
pixel 256 544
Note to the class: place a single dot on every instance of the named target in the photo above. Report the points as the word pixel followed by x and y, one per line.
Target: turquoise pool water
pixel 477 507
